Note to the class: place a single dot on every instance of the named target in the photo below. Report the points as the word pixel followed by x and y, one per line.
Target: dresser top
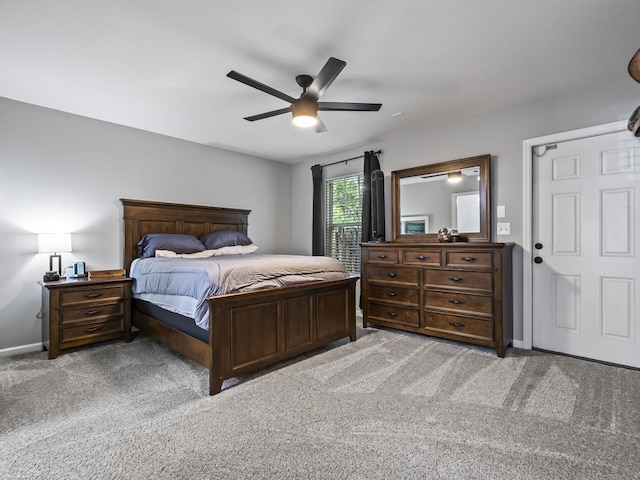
pixel 436 245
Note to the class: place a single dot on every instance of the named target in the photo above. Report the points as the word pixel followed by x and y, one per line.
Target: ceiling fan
pixel 305 108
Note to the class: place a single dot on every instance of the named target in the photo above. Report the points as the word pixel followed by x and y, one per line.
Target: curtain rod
pixel 349 159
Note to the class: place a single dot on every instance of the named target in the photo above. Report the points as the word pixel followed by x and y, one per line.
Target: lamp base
pixel 51 276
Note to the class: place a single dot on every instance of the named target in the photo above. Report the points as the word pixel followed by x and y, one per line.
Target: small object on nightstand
pixel 107 273
pixel 51 276
pixel 82 311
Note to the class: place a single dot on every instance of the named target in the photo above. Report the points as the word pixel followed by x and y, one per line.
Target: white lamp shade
pixel 54 242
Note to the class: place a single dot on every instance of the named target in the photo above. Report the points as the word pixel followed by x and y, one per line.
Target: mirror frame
pixel 482 161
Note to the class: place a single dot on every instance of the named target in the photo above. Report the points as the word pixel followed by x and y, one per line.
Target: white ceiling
pixel 161 65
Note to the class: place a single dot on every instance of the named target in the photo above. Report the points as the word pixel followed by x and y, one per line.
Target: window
pixel 343 221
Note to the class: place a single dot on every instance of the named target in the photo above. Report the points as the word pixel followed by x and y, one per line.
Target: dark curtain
pixel 371 163
pixel 317 230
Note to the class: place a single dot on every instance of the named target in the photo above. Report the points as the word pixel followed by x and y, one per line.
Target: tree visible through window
pixel 343 222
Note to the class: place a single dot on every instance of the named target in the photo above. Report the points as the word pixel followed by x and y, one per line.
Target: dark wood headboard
pixel 142 217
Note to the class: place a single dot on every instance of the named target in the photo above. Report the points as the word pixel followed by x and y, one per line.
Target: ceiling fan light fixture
pixel 304 121
pixel 305 113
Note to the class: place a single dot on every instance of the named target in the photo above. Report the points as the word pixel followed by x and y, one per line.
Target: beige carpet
pixel 391 405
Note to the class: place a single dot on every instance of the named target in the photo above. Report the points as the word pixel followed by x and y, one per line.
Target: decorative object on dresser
pixel 444 282
pixel 84 311
pixel 247 330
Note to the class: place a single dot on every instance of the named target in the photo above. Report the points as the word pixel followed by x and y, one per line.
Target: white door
pixel 586 234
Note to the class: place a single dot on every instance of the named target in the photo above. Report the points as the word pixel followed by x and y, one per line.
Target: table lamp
pixel 54 243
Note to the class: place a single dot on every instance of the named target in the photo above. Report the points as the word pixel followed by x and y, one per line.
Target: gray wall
pixel 64 172
pixel 499 133
pixel 61 172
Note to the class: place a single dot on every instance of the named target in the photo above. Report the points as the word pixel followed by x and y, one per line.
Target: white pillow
pixel 170 254
pixel 233 250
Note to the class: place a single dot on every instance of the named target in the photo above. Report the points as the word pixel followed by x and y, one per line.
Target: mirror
pixel 451 194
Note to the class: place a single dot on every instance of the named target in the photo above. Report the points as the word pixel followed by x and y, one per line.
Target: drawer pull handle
pixel 470 259
pixel 93 329
pixel 421 257
pixel 392 294
pixel 456 279
pixel 456 302
pixel 382 256
pixel 93 312
pixel 457 324
pixel 391 275
pixel 93 295
pixel 392 314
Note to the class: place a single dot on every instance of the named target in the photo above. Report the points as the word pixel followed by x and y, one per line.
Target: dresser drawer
pixel 463 280
pixel 472 327
pixel 394 294
pixel 90 312
pixel 469 259
pixel 91 330
pixel 394 314
pixel 421 257
pixel 91 294
pixel 379 255
pixel 393 274
pixel 466 302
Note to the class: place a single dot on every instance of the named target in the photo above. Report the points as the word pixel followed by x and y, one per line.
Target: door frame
pixel 527 213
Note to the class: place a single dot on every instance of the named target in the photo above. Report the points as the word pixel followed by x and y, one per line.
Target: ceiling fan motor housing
pixel 304 81
pixel 305 107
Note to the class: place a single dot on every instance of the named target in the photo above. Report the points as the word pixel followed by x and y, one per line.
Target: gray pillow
pixel 225 238
pixel 176 242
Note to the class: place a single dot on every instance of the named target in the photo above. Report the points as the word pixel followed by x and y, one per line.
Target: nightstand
pixel 83 311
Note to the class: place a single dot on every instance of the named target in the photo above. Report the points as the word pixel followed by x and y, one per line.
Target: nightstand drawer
pixel 91 312
pixel 91 330
pixel 95 294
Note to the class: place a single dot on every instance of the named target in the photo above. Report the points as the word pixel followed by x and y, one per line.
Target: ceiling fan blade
pixel 320 126
pixel 326 76
pixel 260 86
pixel 349 106
pixel 272 113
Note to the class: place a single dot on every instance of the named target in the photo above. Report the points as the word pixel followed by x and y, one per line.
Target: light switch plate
pixel 500 212
pixel 504 228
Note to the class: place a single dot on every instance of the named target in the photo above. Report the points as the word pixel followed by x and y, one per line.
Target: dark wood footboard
pixel 252 330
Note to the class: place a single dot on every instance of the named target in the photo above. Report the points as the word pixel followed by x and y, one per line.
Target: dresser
pixel 83 311
pixel 459 291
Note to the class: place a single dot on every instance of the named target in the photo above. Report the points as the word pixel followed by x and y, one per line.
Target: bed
pixel 247 330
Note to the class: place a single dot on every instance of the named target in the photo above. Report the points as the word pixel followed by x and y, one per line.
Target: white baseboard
pixel 10 352
pixel 518 344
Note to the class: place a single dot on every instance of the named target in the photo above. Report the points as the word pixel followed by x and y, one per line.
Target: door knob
pixel 538 246
pixel 538 259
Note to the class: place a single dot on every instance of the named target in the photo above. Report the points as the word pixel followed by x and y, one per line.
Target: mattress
pixel 177 282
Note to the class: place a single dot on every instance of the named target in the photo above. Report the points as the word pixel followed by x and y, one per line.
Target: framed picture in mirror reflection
pixel 414 224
